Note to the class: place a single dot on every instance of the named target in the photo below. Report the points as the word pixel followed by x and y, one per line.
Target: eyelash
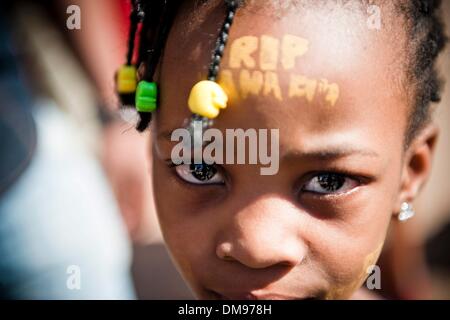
pixel 342 178
pixel 189 169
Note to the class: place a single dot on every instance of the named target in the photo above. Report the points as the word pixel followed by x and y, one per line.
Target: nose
pixel 263 234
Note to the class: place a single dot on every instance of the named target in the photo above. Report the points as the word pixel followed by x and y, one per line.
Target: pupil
pixel 331 182
pixel 202 172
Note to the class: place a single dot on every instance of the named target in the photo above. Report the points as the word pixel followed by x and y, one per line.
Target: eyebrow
pixel 328 153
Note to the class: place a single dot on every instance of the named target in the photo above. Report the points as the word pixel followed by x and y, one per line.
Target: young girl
pixel 347 84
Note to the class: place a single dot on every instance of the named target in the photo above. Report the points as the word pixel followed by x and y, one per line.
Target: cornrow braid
pixel 222 41
pixel 136 16
pixel 161 14
pixel 197 120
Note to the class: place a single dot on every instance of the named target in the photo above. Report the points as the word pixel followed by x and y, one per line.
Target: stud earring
pixel 406 212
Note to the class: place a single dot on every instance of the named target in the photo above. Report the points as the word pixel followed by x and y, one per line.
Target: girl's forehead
pixel 263 36
pixel 315 66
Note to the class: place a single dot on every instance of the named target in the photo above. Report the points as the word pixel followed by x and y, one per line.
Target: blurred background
pixel 77 219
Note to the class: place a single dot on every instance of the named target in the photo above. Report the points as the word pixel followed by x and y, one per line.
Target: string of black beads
pixel 222 41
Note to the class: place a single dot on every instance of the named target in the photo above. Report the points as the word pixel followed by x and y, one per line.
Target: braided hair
pixel 222 41
pixel 426 40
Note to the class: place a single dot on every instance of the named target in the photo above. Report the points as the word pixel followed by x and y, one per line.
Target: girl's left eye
pixel 330 183
pixel 200 174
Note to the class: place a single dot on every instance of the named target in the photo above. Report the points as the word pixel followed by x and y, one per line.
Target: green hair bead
pixel 146 96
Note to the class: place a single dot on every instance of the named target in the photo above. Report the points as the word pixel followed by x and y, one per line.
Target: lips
pixel 262 284
pixel 235 296
pixel 256 296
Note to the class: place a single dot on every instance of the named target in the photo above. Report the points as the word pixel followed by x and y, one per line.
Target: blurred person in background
pixel 98 47
pixel 61 233
pixel 101 46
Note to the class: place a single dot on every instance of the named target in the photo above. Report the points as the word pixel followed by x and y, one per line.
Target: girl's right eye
pixel 327 183
pixel 202 174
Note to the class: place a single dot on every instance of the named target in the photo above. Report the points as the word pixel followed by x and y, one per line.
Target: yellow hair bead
pixel 126 79
pixel 207 98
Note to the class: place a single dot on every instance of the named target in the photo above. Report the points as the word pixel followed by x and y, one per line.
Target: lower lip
pixel 245 296
pixel 249 296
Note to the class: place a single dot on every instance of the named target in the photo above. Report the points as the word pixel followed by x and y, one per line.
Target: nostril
pixel 285 264
pixel 256 257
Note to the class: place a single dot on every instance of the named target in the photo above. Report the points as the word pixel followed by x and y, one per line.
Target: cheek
pixel 344 265
pixel 187 235
pixel 357 272
pixel 362 240
pixel 344 248
pixel 344 260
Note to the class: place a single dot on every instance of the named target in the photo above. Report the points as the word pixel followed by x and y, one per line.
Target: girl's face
pixel 313 229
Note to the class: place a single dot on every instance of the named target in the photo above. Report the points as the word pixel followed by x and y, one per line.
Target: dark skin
pixel 283 236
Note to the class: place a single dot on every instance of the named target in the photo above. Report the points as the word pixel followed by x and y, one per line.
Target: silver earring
pixel 406 212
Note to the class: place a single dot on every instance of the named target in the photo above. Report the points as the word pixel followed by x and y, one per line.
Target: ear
pixel 417 164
